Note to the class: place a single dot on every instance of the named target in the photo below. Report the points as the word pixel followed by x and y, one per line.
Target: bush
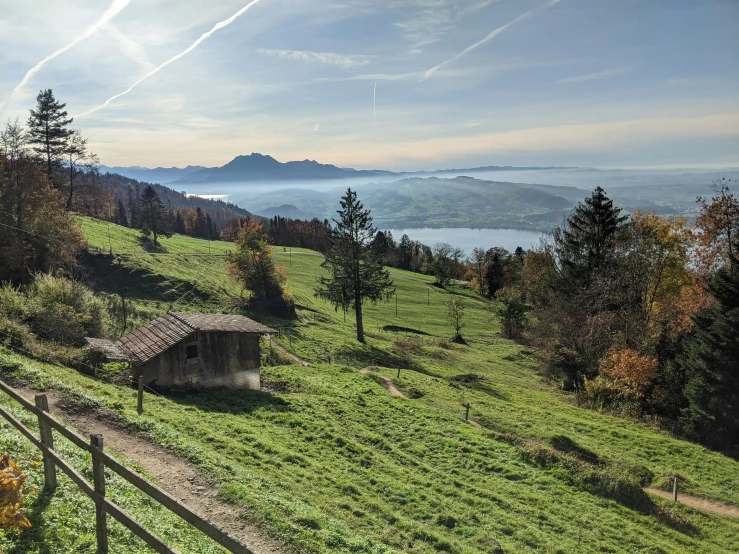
pixel 65 311
pixel 13 333
pixel 13 303
pixel 14 488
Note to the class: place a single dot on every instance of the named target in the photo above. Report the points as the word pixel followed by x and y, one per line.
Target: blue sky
pixel 627 83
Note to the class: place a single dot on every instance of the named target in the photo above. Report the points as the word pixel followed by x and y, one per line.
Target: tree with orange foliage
pixel 631 372
pixel 230 231
pixel 718 228
pixel 252 264
pixel 656 255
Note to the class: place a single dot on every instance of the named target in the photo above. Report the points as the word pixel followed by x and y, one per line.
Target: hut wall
pixel 223 360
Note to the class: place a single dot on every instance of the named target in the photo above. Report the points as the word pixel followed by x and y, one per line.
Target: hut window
pixel 191 351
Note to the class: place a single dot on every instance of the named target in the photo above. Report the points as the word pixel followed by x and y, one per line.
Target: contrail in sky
pixel 490 36
pixel 193 46
pixel 114 9
pixel 374 104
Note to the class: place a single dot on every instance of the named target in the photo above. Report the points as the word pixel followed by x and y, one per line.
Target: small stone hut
pixel 198 351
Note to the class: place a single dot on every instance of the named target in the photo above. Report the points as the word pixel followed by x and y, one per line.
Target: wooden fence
pixel 96 490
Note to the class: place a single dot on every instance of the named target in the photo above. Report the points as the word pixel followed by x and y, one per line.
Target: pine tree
pixel 120 215
pixel 711 364
pixel 132 200
pixel 201 224
pixel 154 214
pixel 586 243
pixel 495 269
pixel 355 273
pixel 48 128
pixel 179 222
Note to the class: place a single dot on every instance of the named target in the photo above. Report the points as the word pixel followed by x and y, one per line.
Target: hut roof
pixel 111 349
pixel 222 322
pixel 155 337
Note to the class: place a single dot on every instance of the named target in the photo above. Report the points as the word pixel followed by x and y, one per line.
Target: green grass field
pixel 333 463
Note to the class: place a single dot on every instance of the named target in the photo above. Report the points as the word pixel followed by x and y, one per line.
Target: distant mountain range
pixel 161 175
pixel 259 167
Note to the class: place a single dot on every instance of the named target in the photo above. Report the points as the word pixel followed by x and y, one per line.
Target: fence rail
pixel 96 490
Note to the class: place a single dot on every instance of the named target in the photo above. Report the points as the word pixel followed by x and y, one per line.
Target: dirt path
pixel 388 384
pixel 698 503
pixel 289 354
pixel 175 475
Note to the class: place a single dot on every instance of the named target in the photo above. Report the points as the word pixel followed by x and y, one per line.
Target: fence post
pixel 398 373
pixel 467 413
pixel 47 439
pixel 140 406
pixel 98 478
pixel 674 488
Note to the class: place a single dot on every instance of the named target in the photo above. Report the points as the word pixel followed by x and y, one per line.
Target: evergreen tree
pixel 355 273
pixel 406 252
pixel 154 214
pixel 132 200
pixel 48 128
pixel 711 364
pixel 179 222
pixel 201 225
pixel 495 269
pixel 586 243
pixel 120 215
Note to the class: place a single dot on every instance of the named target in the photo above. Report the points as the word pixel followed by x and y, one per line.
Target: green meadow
pixel 328 461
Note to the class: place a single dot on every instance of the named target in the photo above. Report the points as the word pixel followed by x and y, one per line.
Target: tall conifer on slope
pixel 711 364
pixel 48 128
pixel 355 273
pixel 585 245
pixel 154 214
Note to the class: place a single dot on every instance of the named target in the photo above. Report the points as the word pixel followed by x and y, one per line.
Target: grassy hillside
pixel 330 462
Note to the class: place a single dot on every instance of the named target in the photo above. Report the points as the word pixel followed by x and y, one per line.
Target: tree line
pixel 639 314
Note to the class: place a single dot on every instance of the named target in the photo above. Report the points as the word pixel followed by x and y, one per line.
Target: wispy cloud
pixel 327 58
pixel 595 75
pixel 130 47
pixel 432 19
pixel 490 36
pixel 407 76
pixel 114 9
pixel 193 46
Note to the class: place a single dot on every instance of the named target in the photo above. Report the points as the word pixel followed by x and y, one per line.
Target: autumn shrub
pixel 631 372
pixel 14 488
pixel 65 311
pixel 625 383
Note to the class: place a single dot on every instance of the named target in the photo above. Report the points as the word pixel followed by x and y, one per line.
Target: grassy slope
pixel 333 463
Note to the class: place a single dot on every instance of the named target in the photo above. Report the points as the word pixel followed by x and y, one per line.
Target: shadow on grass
pixel 233 402
pixel 361 357
pixel 139 284
pixel 149 245
pixel 34 539
pixel 486 387
pixel 306 308
pixel 399 329
pixel 568 446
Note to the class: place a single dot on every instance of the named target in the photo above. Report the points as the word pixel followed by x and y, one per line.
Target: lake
pixel 467 238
